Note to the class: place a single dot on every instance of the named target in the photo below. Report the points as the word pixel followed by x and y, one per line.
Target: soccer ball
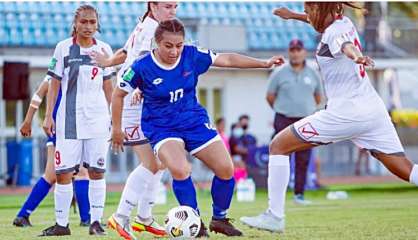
pixel 182 222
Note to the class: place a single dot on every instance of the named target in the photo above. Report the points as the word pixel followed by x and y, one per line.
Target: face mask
pixel 237 132
pixel 245 127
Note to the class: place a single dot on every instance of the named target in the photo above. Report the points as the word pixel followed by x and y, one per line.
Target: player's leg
pixel 399 165
pixel 94 157
pixel 144 221
pixel 217 158
pixel 67 154
pixel 81 190
pixel 39 191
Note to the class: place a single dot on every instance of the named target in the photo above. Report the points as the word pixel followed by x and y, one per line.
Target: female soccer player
pixel 354 110
pixel 82 122
pixel 42 186
pixel 142 183
pixel 174 121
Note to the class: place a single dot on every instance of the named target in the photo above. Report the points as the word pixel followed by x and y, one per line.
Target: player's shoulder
pixel 64 43
pixel 338 28
pixel 144 59
pixel 102 43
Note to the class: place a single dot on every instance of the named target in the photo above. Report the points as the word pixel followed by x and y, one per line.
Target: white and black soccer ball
pixel 182 222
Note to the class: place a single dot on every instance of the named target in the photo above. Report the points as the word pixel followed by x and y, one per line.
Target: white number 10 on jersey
pixel 176 95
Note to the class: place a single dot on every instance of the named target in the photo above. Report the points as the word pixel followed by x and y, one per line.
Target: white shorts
pixel 70 153
pixel 374 131
pixel 131 126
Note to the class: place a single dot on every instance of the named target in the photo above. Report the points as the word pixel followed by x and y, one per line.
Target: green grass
pixel 371 212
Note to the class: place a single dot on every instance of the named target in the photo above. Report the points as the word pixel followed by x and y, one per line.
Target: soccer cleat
pixel 22 222
pixel 300 200
pixel 148 225
pixel 224 226
pixel 56 230
pixel 265 221
pixel 203 232
pixel 122 226
pixel 96 229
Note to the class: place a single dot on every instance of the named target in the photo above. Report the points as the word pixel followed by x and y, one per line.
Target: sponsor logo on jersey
pixel 157 81
pixel 52 64
pixel 307 80
pixel 128 75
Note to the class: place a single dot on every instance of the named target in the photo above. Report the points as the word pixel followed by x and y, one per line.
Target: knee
pixel 64 178
pixel 226 172
pixel 82 174
pixel 96 175
pixel 51 178
pixel 180 173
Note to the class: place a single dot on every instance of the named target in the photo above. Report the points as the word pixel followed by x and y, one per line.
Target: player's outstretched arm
pixel 48 125
pixel 234 60
pixel 352 52
pixel 117 134
pixel 104 60
pixel 285 13
pixel 26 127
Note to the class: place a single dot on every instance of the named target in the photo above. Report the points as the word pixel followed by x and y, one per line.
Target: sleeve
pixel 108 72
pixel 336 42
pixel 56 66
pixel 273 82
pixel 131 79
pixel 204 59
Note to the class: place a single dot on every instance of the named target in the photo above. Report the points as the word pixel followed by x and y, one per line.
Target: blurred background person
pixel 293 92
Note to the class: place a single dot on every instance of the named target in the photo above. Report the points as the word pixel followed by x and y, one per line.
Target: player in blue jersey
pixel 43 185
pixel 174 121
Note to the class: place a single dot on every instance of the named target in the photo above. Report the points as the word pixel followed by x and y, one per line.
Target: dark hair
pixel 243 116
pixel 148 12
pixel 219 120
pixel 77 14
pixel 172 26
pixel 328 8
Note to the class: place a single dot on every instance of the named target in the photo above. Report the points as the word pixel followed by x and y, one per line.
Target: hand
pixel 136 97
pixel 26 129
pixel 275 61
pixel 100 59
pixel 117 140
pixel 48 126
pixel 365 60
pixel 282 12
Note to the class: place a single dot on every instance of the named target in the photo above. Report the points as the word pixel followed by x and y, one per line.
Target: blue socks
pixel 38 193
pixel 81 190
pixel 185 192
pixel 222 192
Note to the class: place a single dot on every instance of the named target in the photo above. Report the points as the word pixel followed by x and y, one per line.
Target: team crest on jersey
pixel 157 81
pixel 129 74
pixel 52 64
pixel 307 80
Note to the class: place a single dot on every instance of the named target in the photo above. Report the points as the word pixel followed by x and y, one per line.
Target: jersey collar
pixel 154 59
pixel 75 40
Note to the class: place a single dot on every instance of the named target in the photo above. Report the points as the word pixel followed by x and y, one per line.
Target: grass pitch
pixel 371 212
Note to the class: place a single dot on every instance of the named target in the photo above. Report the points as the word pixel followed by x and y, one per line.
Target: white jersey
pixel 83 112
pixel 138 43
pixel 345 82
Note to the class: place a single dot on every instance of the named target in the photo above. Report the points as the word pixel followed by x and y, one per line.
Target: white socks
pixel 134 188
pixel 278 179
pixel 63 194
pixel 413 178
pixel 147 201
pixel 97 197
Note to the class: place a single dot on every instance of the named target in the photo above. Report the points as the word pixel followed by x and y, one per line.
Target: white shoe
pixel 265 221
pixel 300 200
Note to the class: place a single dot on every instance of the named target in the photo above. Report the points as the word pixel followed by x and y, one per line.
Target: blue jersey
pixel 170 100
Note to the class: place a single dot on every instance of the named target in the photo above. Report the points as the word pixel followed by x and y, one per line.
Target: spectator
pixel 293 93
pixel 238 152
pixel 247 139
